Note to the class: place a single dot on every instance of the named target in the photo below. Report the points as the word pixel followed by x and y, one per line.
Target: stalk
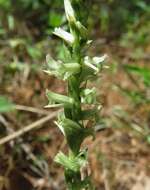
pixel 77 70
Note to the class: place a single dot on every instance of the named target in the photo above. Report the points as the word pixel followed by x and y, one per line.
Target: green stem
pixel 74 179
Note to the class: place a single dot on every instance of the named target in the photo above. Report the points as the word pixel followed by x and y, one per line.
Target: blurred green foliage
pixel 5 105
pixel 117 16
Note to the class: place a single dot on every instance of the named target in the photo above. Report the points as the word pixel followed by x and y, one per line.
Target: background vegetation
pixel 120 155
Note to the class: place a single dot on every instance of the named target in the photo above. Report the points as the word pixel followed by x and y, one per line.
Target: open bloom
pixel 95 62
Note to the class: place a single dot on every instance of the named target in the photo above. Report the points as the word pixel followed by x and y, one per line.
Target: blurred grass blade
pixel 143 72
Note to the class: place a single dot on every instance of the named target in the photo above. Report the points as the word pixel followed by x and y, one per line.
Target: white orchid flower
pixel 88 63
pixel 101 59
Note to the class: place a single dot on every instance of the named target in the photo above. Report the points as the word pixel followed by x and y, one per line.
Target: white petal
pixel 64 35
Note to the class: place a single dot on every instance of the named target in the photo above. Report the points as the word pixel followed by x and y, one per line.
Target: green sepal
pixel 55 98
pixel 71 162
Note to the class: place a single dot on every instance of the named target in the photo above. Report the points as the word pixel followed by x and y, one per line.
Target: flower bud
pixel 69 11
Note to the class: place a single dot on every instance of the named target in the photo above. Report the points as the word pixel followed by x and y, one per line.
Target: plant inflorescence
pixel 80 104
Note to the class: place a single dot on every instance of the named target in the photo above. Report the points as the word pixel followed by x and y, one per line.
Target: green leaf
pixel 5 105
